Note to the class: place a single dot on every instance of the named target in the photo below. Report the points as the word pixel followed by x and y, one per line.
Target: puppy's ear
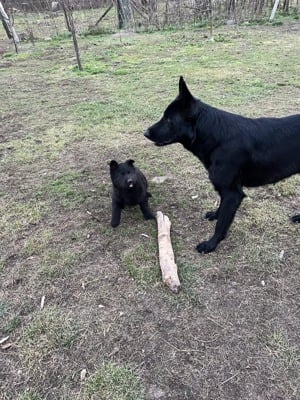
pixel 113 164
pixel 184 93
pixel 130 162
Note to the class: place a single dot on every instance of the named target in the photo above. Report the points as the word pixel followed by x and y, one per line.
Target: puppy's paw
pixel 295 218
pixel 211 215
pixel 206 247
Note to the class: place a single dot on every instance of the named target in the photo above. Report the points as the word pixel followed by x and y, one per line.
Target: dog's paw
pixel 206 247
pixel 211 215
pixel 114 224
pixel 295 218
pixel 149 216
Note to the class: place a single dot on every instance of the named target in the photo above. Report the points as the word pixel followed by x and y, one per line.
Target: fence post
pixel 10 30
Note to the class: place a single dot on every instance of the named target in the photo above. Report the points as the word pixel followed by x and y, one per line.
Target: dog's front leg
pixel 116 214
pixel 230 202
pixel 296 218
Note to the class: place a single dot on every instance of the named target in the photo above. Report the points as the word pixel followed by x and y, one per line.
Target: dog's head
pixel 123 175
pixel 178 122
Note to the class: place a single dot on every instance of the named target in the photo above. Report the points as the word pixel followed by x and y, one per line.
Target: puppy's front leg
pixel 230 202
pixel 147 213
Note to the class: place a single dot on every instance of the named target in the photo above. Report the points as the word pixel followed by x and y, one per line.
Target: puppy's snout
pixel 130 183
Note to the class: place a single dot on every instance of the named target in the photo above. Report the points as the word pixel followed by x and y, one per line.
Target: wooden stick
pixel 166 255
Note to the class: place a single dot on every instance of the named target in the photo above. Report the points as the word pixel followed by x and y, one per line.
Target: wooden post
pixel 68 12
pixel 276 4
pixel 10 30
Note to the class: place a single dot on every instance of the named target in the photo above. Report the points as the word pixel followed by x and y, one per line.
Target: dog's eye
pixel 169 121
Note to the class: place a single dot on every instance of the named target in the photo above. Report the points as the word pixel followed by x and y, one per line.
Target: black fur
pixel 236 151
pixel 129 189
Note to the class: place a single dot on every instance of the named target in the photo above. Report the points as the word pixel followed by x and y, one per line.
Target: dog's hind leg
pixel 230 202
pixel 295 218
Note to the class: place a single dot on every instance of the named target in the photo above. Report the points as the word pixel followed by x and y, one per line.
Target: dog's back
pixel 268 148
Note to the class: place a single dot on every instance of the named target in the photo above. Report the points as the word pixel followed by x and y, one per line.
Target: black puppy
pixel 237 151
pixel 129 189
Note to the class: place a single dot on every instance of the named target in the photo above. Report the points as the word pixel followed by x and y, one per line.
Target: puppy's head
pixel 123 175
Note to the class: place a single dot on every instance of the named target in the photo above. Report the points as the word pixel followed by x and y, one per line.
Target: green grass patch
pixel 114 382
pixel 16 216
pixel 65 190
pixel 50 331
pixel 58 263
pixel 28 395
pixel 91 69
pixel 38 243
pixel 142 263
pixel 282 349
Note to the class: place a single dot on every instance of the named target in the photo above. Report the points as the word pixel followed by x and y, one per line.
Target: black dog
pixel 129 189
pixel 236 151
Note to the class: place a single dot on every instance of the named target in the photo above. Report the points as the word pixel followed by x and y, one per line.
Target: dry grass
pixel 233 331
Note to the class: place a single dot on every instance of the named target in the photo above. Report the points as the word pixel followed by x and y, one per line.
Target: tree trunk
pixel 124 13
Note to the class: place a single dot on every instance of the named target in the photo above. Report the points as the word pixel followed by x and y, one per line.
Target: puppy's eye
pixel 169 121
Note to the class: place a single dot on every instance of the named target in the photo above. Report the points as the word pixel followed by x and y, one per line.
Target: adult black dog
pixel 237 151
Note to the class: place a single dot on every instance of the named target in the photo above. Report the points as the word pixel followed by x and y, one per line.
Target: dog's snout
pixel 147 133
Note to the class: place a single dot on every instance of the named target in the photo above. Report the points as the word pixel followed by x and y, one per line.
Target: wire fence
pixel 41 19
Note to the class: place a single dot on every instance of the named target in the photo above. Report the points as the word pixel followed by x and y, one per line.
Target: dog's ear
pixel 130 162
pixel 184 93
pixel 113 164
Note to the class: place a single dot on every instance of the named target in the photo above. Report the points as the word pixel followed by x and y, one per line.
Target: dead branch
pixel 166 255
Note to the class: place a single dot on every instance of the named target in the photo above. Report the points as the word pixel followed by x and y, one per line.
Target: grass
pixel 49 332
pixel 280 347
pixel 232 331
pixel 114 382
